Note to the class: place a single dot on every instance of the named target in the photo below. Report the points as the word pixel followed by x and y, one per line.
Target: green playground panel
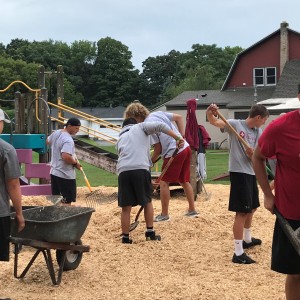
pixel 36 142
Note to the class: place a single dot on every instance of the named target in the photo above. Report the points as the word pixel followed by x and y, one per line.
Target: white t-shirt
pixel 168 144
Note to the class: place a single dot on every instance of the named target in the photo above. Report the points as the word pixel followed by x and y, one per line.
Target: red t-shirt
pixel 282 138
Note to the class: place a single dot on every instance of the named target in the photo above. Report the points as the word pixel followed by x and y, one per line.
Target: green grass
pixel 216 165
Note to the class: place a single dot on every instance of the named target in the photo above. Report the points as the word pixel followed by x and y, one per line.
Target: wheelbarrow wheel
pixel 73 258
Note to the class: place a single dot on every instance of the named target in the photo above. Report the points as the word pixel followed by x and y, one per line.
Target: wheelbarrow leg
pixel 27 267
pixel 48 259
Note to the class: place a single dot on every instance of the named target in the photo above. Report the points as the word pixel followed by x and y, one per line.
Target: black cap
pixel 73 122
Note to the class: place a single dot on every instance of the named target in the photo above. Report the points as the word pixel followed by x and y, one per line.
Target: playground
pixel 193 260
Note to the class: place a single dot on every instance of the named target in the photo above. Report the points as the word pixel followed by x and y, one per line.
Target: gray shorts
pixel 134 188
pixel 243 193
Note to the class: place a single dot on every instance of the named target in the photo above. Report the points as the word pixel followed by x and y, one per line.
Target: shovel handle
pixel 84 176
pixel 233 130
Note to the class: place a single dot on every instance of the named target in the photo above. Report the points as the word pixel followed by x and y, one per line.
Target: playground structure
pixel 33 122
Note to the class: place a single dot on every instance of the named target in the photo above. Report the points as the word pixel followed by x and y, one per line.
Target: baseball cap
pixel 73 122
pixel 2 117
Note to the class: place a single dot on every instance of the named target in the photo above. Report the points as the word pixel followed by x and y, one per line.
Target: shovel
pixel 136 220
pixel 291 234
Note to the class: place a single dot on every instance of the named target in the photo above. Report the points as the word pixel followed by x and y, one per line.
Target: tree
pixel 159 73
pixel 12 70
pixel 113 76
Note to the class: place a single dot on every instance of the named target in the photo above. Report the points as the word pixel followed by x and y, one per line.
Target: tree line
pixel 101 74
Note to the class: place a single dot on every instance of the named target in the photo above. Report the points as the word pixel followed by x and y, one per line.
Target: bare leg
pixel 248 221
pixel 148 214
pixel 164 197
pixel 238 225
pixel 189 193
pixel 292 287
pixel 125 219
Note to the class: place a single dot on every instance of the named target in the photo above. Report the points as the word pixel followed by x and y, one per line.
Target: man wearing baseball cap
pixel 9 189
pixel 63 161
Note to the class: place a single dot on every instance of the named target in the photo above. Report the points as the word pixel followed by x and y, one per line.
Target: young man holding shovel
pixel 133 167
pixel 165 146
pixel 282 138
pixel 243 198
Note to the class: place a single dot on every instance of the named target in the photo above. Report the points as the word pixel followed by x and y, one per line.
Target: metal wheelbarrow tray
pixel 52 227
pixel 59 224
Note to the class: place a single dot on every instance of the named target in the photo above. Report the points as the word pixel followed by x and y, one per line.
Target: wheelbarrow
pixel 52 227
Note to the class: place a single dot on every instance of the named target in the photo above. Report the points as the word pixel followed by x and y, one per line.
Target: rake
pixel 97 197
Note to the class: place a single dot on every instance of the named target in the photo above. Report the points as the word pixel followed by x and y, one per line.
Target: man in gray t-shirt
pixel 63 161
pixel 243 198
pixel 9 189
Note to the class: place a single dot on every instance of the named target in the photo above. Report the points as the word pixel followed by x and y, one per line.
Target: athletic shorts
pixel 64 187
pixel 179 169
pixel 285 259
pixel 134 188
pixel 243 193
pixel 4 238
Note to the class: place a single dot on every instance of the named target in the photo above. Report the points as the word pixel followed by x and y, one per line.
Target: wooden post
pixel 17 111
pixel 60 91
pixel 193 178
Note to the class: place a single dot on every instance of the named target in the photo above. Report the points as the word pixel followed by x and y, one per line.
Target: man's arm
pixel 211 114
pixel 178 119
pixel 259 166
pixel 14 191
pixel 69 159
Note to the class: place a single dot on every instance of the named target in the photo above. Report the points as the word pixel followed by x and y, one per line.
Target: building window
pixel 264 76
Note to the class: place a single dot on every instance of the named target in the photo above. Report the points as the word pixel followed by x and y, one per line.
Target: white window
pixel 264 76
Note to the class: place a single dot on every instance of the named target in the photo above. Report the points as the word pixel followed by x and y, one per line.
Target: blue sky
pixel 147 27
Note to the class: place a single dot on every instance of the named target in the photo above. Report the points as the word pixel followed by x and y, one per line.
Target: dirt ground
pixel 193 260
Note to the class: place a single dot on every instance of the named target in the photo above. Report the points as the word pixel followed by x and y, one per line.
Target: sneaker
pixel 126 240
pixel 192 214
pixel 160 218
pixel 242 259
pixel 254 242
pixel 151 236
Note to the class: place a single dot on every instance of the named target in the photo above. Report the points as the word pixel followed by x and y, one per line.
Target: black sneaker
pixel 242 259
pixel 151 236
pixel 126 240
pixel 254 242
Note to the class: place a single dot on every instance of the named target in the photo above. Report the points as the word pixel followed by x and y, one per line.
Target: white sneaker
pixel 160 218
pixel 192 214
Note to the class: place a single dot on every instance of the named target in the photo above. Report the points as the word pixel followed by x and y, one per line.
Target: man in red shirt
pixel 282 138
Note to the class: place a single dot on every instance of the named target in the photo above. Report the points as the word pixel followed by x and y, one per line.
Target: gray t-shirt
pixel 238 160
pixel 134 145
pixel 60 142
pixel 9 169
pixel 168 144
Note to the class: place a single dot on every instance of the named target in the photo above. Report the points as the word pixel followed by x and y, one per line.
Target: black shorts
pixel 285 259
pixel 64 187
pixel 134 188
pixel 243 193
pixel 4 238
